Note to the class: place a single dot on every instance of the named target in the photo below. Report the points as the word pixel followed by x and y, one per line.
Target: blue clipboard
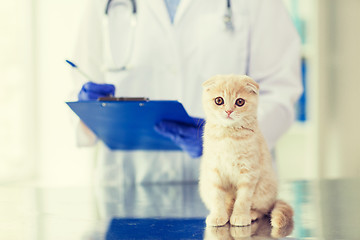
pixel 129 125
pixel 156 228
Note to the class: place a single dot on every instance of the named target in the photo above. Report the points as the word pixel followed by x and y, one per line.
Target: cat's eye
pixel 219 101
pixel 240 102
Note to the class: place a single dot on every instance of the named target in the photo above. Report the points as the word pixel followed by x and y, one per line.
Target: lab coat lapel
pixel 181 10
pixel 158 9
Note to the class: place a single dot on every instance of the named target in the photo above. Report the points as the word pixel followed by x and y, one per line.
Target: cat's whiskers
pixel 249 129
pixel 200 126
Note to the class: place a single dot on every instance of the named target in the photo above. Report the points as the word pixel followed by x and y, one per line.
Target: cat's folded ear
pixel 210 82
pixel 252 86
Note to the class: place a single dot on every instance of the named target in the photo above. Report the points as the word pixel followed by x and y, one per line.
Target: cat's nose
pixel 228 112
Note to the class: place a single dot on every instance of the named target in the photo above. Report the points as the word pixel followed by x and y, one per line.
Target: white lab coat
pixel 170 61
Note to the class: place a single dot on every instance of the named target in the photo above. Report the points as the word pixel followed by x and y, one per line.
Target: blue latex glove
pixel 187 136
pixel 92 91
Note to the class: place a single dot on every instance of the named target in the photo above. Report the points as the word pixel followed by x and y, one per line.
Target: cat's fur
pixel 237 180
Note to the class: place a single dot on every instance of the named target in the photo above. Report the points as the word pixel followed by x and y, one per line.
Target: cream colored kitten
pixel 237 181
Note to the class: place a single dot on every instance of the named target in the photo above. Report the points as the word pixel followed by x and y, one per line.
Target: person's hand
pixel 187 136
pixel 92 91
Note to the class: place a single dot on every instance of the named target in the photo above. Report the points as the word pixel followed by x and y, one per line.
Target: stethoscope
pixel 228 21
pixel 133 3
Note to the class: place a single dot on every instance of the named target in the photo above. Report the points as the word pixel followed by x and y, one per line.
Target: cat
pixel 237 181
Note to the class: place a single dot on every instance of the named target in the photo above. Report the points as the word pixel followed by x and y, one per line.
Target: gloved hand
pixel 187 136
pixel 92 91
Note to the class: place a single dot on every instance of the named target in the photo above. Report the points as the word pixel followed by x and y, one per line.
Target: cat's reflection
pixel 260 229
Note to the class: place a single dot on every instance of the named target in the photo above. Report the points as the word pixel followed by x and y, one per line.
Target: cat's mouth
pixel 229 118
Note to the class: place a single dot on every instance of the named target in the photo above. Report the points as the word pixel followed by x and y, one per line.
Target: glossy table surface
pixel 325 209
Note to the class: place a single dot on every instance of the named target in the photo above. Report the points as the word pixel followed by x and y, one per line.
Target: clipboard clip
pixel 124 99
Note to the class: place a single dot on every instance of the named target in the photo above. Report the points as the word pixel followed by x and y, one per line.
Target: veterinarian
pixel 164 50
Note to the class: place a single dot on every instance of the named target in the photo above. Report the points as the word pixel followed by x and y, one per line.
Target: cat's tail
pixel 282 215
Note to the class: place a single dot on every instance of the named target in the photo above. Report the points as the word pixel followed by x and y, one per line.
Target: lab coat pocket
pixel 117 77
pixel 223 51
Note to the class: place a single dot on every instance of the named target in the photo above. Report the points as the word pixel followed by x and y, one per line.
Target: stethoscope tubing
pixel 134 6
pixel 227 20
pixel 133 3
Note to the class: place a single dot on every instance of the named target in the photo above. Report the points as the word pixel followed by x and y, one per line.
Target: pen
pixel 78 69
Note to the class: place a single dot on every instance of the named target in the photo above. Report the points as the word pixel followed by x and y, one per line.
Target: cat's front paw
pixel 240 220
pixel 215 220
pixel 255 215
